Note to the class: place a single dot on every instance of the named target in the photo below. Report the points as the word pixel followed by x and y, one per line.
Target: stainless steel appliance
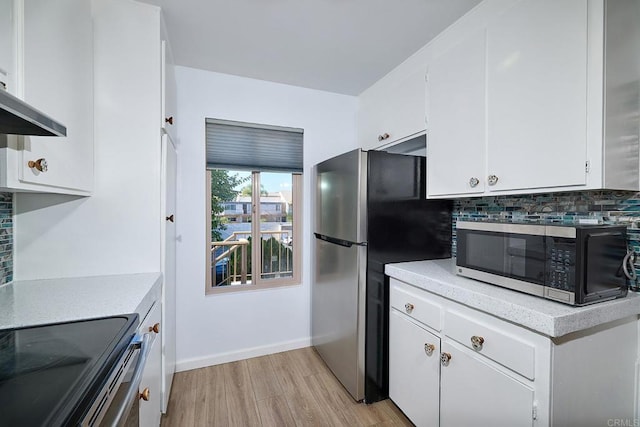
pixel 72 373
pixel 370 209
pixel 573 264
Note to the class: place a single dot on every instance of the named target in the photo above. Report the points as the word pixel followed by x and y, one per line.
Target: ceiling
pixel 340 46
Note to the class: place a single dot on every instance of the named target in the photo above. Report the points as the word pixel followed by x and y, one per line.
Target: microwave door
pixel 525 256
pixel 515 258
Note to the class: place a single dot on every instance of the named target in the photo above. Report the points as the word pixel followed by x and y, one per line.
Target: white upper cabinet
pixel 456 117
pixel 54 74
pixel 535 95
pixel 393 109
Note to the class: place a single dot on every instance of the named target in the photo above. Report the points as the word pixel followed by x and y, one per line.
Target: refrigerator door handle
pixel 341 242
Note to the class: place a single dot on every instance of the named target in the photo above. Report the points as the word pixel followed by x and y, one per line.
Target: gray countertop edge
pixel 37 302
pixel 549 318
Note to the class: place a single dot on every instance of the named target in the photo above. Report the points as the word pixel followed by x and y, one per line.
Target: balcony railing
pixel 231 258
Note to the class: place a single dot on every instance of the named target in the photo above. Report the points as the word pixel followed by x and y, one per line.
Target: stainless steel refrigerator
pixel 370 210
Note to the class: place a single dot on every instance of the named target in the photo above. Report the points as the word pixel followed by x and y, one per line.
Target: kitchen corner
pixel 486 345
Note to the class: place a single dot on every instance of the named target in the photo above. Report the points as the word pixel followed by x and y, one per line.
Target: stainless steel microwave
pixel 573 264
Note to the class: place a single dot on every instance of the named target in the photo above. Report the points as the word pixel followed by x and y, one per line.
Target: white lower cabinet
pixel 475 393
pixel 486 371
pixel 414 365
pixel 150 386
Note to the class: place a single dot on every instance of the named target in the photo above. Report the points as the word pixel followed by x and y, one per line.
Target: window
pixel 254 221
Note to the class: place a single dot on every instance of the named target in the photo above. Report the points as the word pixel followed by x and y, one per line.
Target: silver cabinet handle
pixel 445 358
pixel 408 307
pixel 473 182
pixel 492 179
pixel 383 137
pixel 477 342
pixel 429 348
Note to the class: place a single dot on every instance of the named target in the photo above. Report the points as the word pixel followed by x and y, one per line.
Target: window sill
pixel 248 287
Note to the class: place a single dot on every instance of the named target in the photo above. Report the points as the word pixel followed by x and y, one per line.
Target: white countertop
pixel 36 302
pixel 547 317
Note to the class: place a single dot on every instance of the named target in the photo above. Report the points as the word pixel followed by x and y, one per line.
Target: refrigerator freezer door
pixel 338 311
pixel 341 197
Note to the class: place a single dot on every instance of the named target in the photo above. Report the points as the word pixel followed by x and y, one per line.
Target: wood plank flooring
pixel 293 388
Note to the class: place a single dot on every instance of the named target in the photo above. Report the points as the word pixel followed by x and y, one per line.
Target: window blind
pixel 249 146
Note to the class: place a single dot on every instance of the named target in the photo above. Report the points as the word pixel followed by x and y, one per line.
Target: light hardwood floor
pixel 293 388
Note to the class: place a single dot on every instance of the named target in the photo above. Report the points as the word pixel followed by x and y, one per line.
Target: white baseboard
pixel 232 356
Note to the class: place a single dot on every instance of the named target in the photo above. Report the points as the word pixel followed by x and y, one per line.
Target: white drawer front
pixel 410 302
pixel 505 349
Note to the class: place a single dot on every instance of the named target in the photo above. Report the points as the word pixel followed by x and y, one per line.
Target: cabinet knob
pixel 145 394
pixel 477 342
pixel 429 348
pixel 445 358
pixel 169 218
pixel 40 165
pixel 408 307
pixel 473 182
pixel 492 179
pixel 155 328
pixel 169 120
pixel 383 137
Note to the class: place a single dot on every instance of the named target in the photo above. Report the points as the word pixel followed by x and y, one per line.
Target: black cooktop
pixel 49 374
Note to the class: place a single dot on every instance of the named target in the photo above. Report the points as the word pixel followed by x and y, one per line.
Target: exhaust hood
pixel 19 118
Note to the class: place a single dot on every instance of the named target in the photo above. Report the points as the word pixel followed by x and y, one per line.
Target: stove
pixel 51 374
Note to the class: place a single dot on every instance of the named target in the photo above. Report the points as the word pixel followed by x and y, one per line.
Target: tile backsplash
pixel 6 238
pixel 608 207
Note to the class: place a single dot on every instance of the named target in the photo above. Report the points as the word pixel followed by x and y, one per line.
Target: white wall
pixel 222 327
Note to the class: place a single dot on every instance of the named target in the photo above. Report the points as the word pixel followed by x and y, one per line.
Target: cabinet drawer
pixel 505 349
pixel 405 299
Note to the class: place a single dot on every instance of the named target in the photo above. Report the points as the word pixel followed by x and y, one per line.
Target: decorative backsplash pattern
pixel 6 238
pixel 608 207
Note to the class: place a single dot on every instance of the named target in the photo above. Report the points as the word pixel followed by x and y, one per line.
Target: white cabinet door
pixel 476 394
pixel 393 109
pixel 168 92
pixel 536 95
pixel 149 410
pixel 169 167
pixel 57 78
pixel 414 370
pixel 406 108
pixel 456 119
pixel 373 118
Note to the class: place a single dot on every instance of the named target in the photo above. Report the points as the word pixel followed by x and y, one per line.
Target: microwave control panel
pixel 561 264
